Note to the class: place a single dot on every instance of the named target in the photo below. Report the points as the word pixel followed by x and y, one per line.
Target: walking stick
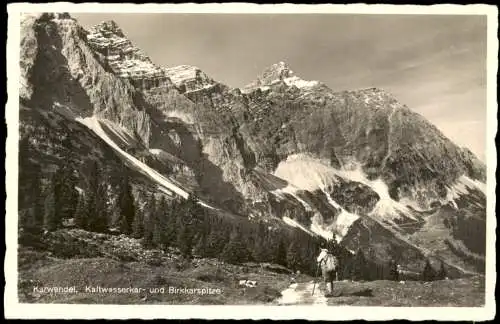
pixel 314 286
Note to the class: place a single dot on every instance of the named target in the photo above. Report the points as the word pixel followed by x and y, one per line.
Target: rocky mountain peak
pixel 189 78
pixel 279 73
pixel 128 61
pixel 47 16
pixel 107 28
pixel 119 53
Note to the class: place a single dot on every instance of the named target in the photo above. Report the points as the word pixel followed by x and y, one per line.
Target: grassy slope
pixel 465 292
pixel 43 270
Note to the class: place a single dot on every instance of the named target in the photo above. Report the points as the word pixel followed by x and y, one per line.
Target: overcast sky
pixel 436 65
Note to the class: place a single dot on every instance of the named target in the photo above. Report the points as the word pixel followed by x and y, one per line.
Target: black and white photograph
pixel 263 156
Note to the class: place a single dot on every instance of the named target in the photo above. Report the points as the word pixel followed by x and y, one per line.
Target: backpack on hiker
pixel 327 260
pixel 330 263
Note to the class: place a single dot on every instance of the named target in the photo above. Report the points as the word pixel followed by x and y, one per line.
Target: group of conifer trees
pixel 430 274
pixel 357 267
pixel 57 199
pixel 160 223
pixel 195 231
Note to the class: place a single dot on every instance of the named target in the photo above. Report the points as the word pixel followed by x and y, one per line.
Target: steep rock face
pixel 368 127
pixel 357 165
pixel 49 141
pixel 189 78
pixel 66 72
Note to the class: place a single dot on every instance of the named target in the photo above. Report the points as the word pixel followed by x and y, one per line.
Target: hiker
pixel 329 268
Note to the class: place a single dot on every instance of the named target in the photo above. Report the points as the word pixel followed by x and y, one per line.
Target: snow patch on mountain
pixel 119 132
pixel 338 228
pixel 462 187
pixel 291 190
pixel 275 74
pixel 299 83
pixel 205 87
pixel 294 223
pixel 386 207
pixel 472 183
pixel 319 227
pixel 184 117
pixel 344 220
pixel 95 124
pixel 330 200
pixel 306 173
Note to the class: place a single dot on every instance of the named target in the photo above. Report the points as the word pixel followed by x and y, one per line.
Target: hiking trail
pixel 301 294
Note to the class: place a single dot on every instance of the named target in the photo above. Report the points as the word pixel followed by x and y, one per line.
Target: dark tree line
pixel 430 274
pixel 62 197
pixel 187 226
pixel 161 223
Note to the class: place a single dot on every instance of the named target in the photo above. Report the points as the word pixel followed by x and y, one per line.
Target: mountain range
pixel 358 166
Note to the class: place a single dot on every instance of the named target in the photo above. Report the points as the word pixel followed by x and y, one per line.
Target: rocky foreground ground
pixel 91 263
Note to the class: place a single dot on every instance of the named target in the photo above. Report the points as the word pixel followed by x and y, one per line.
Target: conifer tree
pixel 51 222
pixel 31 186
pixel 99 220
pixel 280 257
pixel 216 240
pixel 200 246
pixel 293 260
pixel 393 271
pixel 428 274
pixel 126 205
pixel 97 199
pixel 259 248
pixel 184 239
pixel 170 235
pixel 159 237
pixel 138 225
pixel 359 267
pixel 35 219
pixel 81 212
pixel 441 275
pixel 235 250
pixel 149 219
pixel 66 196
